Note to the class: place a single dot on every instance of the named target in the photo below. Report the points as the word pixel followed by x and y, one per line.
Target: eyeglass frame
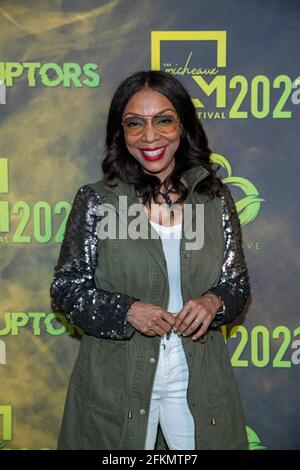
pixel 161 113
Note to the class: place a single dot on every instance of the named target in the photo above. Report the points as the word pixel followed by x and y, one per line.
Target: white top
pixel 170 237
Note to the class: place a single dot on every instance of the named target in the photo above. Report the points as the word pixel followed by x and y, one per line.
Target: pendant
pixel 167 198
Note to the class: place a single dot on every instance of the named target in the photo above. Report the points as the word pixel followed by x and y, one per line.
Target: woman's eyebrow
pixel 148 115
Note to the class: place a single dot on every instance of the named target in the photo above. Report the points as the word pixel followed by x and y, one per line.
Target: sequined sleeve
pixel 99 312
pixel 233 287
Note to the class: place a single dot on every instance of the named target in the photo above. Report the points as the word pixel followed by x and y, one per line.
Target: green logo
pixel 249 206
pixel 254 441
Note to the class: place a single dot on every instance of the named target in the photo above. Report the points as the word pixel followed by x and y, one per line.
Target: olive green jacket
pixel 96 281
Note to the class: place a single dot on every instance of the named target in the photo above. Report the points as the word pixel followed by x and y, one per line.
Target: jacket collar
pixel 192 176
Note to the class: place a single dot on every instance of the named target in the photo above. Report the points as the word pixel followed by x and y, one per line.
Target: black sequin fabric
pixel 233 287
pixel 99 312
pixel 102 313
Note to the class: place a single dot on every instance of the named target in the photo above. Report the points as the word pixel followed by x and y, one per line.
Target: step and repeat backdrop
pixel 60 63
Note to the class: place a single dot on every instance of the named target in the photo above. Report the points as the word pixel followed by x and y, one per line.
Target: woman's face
pixel 153 148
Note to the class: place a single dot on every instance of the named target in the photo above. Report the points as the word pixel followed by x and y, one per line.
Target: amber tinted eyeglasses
pixel 164 123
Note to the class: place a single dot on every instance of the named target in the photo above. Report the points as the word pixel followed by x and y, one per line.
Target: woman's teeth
pixel 153 153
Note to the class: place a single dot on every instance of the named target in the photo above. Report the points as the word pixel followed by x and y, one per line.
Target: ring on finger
pixel 197 321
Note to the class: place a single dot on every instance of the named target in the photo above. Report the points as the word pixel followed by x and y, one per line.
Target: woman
pixel 153 369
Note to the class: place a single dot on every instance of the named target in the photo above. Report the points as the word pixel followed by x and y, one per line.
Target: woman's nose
pixel 150 134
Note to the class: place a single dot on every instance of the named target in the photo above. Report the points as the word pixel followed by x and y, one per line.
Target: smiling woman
pixel 153 142
pixel 153 369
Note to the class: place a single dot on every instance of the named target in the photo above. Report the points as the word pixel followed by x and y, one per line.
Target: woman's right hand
pixel 150 319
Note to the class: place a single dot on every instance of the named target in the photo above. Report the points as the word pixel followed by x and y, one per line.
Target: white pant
pixel 169 405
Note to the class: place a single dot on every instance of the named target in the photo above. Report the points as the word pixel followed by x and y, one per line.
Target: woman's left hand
pixel 196 315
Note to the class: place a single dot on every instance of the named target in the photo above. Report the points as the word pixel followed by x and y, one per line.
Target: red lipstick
pixel 151 153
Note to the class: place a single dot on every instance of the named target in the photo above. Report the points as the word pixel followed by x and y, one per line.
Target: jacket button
pixel 142 412
pixel 152 360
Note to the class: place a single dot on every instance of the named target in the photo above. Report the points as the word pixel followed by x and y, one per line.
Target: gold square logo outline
pixel 158 36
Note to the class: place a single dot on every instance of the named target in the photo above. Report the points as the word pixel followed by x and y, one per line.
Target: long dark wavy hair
pixel 193 149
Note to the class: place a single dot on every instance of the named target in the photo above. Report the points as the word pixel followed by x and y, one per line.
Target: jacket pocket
pixel 103 429
pixel 222 429
pixel 104 403
pixel 78 377
pixel 107 377
pixel 218 367
pixel 224 420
